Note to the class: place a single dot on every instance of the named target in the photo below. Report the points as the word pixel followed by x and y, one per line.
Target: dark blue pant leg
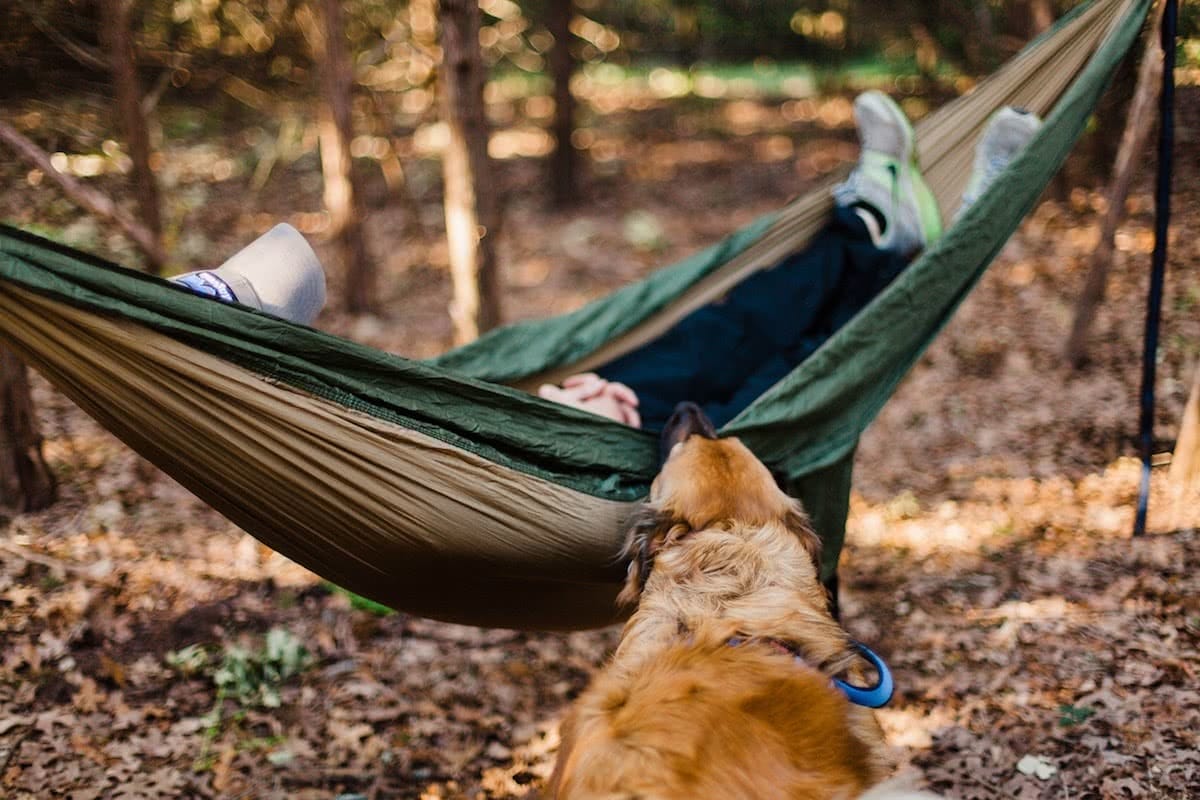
pixel 677 365
pixel 726 354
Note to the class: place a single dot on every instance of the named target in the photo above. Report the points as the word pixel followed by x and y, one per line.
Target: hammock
pixel 444 489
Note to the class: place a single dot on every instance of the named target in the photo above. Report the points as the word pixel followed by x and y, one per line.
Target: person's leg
pixel 865 268
pixel 866 271
pixel 723 355
pixel 886 185
pixel 718 354
pixel 845 257
pixel 698 357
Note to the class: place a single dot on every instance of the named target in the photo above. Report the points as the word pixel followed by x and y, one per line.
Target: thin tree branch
pixel 151 98
pixel 86 56
pixel 82 195
pixel 1139 123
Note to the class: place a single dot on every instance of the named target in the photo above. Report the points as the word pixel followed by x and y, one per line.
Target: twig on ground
pixel 12 751
pixel 50 562
pixel 321 777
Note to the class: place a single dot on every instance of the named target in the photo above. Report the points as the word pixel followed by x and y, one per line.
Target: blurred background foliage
pixel 237 80
pixel 54 44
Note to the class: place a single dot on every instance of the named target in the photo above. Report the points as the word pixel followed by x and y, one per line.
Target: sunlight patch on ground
pixel 996 508
pixel 911 727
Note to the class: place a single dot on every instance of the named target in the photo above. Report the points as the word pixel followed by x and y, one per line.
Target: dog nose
pixel 687 420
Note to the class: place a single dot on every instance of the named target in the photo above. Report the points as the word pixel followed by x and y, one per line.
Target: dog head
pixel 706 482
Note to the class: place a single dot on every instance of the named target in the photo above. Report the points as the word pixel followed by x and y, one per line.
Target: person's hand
pixel 589 392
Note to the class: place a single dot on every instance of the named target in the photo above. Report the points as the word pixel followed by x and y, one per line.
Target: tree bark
pixel 1028 18
pixel 1185 460
pixel 119 39
pixel 563 165
pixel 343 201
pixel 1041 16
pixel 26 481
pixel 981 50
pixel 1139 124
pixel 83 195
pixel 471 200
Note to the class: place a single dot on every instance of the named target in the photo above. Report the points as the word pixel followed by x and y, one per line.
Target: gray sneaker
pixel 1007 133
pixel 887 181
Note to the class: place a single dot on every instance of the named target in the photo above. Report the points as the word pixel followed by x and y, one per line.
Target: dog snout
pixel 689 419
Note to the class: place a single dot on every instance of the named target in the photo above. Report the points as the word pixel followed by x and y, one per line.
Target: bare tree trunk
pixel 1139 123
pixel 393 171
pixel 1028 18
pixel 1185 461
pixel 119 39
pixel 83 195
pixel 342 198
pixel 564 163
pixel 982 54
pixel 26 481
pixel 471 199
pixel 1041 16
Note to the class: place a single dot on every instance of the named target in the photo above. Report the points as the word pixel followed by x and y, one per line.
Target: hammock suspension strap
pixel 1158 263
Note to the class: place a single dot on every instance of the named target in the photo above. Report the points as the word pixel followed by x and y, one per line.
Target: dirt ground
pixel 148 648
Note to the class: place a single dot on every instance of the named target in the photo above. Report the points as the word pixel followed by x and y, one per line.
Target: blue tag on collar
pixel 876 696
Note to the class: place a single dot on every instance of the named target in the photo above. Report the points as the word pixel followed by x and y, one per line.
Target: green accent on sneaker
pixel 888 179
pixel 927 206
pixel 896 190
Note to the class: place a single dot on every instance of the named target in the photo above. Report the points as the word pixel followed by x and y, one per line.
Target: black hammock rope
pixel 1158 263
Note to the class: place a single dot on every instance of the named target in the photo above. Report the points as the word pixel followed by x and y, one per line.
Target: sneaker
pixel 886 182
pixel 277 273
pixel 1007 133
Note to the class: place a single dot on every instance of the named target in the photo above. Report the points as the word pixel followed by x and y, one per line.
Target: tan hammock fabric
pixel 371 512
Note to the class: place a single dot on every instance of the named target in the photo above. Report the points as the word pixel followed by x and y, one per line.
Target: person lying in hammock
pixel 725 355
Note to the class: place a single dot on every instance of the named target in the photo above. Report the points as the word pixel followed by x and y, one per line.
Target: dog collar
pixel 875 696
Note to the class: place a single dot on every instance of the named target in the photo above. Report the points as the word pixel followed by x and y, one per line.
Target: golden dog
pixel 721 685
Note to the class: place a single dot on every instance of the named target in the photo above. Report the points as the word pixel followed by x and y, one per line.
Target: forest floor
pixel 148 648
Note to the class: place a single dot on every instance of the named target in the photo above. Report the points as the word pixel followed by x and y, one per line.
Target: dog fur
pixel 700 700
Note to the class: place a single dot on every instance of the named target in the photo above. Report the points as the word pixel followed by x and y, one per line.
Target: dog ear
pixel 648 530
pixel 796 521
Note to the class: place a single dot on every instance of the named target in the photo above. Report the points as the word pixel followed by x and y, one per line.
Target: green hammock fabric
pixel 436 488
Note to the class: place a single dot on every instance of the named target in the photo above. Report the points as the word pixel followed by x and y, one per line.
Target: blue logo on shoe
pixel 207 284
